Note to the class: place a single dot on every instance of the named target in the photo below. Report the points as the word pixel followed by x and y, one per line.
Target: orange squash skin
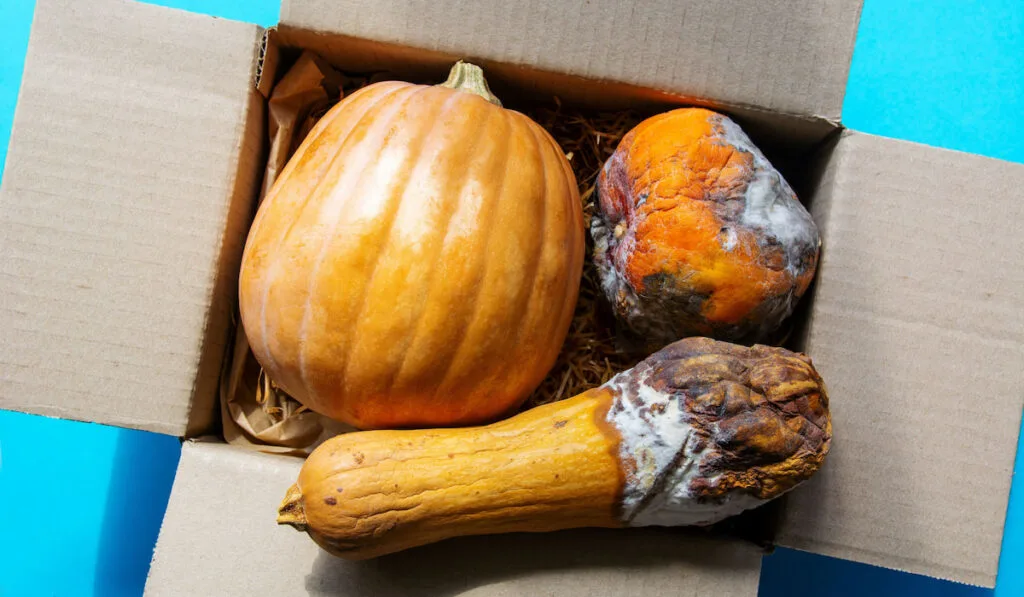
pixel 365 494
pixel 417 262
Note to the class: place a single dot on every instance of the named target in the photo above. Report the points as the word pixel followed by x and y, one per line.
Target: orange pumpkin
pixel 417 262
pixel 698 234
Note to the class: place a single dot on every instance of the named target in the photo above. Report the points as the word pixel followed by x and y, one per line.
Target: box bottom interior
pixel 799 147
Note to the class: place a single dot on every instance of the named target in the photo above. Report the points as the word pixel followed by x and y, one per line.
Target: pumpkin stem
pixel 291 511
pixel 470 78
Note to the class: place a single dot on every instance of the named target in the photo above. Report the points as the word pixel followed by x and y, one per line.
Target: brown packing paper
pixel 259 416
pixel 255 413
pixel 306 91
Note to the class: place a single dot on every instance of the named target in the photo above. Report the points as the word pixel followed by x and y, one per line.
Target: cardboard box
pixel 135 161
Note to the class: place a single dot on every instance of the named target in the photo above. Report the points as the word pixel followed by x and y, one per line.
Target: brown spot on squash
pixel 560 424
pixel 330 500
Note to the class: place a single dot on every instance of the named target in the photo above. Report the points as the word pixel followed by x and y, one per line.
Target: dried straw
pixel 589 356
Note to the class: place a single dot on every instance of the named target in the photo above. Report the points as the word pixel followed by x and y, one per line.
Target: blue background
pixel 942 72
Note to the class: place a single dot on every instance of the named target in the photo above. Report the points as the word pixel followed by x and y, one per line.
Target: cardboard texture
pixel 917 326
pixel 137 156
pixel 126 168
pixel 519 82
pixel 790 57
pixel 225 500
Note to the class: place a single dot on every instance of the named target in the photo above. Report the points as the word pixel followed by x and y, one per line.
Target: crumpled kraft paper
pixel 254 412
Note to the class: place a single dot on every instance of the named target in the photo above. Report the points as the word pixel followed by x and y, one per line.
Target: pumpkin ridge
pixel 315 269
pixel 399 193
pixel 573 212
pixel 273 266
pixel 330 163
pixel 576 250
pixel 325 123
pixel 537 261
pixel 431 283
pixel 473 304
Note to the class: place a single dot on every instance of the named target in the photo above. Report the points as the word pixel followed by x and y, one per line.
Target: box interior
pixel 520 86
pixel 799 147
pixel 834 172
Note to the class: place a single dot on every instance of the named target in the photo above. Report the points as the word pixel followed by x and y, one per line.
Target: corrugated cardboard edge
pixel 223 507
pixel 268 57
pixel 249 161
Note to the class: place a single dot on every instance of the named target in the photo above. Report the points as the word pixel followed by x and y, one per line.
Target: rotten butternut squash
pixel 697 432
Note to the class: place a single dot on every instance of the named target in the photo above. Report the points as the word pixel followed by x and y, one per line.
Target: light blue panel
pixel 53 482
pixel 260 12
pixel 948 73
pixel 1011 563
pixel 15 22
pixel 82 505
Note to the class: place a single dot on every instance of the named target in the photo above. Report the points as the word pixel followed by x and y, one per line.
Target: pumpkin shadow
pixel 567 563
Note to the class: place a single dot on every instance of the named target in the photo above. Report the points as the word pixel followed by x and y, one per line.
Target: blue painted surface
pixel 261 12
pixel 939 72
pixel 822 576
pixel 93 497
pixel 948 73
pixel 15 22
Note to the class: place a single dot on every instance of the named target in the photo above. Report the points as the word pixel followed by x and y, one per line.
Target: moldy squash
pixel 418 260
pixel 697 432
pixel 697 234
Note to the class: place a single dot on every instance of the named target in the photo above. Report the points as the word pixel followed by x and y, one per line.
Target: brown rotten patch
pixel 761 411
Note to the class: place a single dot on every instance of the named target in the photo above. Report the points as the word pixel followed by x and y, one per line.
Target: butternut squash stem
pixel 470 78
pixel 291 510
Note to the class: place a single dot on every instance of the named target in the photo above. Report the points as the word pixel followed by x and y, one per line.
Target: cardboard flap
pixel 917 327
pixel 220 537
pixel 790 57
pixel 128 167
